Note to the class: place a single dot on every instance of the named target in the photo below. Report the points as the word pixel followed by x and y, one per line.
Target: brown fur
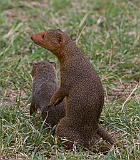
pixel 44 86
pixel 82 88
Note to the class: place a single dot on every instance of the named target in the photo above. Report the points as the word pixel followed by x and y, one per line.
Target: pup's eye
pixel 44 66
pixel 43 36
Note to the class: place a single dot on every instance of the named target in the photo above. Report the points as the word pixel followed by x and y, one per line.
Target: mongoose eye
pixel 43 36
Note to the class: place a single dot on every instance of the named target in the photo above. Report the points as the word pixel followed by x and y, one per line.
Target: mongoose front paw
pixel 50 105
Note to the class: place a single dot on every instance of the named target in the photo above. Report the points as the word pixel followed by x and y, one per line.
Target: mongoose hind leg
pixel 67 134
pixel 70 136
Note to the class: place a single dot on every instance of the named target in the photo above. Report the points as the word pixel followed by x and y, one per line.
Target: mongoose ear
pixel 53 63
pixel 59 30
pixel 60 38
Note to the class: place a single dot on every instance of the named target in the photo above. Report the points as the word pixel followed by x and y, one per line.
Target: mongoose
pixel 44 86
pixel 82 88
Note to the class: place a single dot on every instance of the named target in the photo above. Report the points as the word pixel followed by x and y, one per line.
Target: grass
pixel 108 32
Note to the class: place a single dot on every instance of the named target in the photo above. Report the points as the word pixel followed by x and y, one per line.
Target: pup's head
pixel 43 69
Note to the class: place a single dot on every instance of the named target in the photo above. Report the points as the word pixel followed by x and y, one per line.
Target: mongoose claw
pixel 51 105
pixel 58 101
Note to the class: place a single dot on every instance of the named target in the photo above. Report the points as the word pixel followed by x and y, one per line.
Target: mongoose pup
pixel 82 88
pixel 44 86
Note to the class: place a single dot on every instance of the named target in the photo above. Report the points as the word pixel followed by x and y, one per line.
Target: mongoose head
pixel 43 68
pixel 52 40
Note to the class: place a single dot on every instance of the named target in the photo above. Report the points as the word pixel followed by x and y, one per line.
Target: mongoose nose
pixel 32 37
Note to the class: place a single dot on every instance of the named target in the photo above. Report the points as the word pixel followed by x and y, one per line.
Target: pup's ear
pixel 54 64
pixel 34 69
pixel 34 64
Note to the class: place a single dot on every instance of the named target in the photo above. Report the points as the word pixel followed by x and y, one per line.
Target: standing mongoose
pixel 44 86
pixel 82 88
